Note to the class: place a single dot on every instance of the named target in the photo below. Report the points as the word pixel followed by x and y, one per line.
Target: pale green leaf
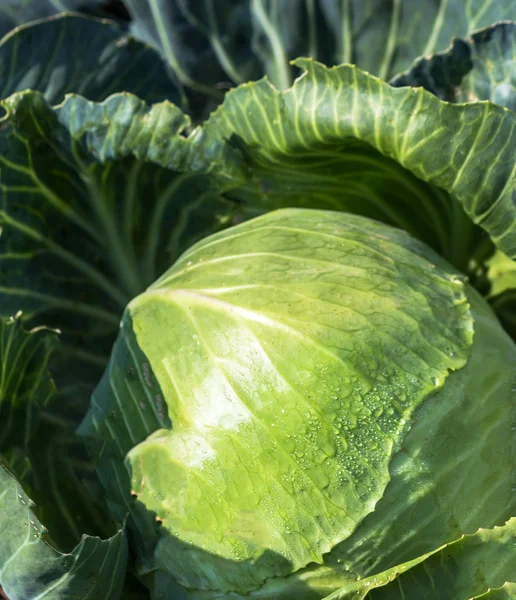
pixel 282 361
pixel 453 474
pixel 501 273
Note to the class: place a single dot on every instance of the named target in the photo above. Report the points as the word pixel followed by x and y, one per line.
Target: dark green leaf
pixel 90 218
pixel 48 460
pixel 164 25
pixel 31 568
pixel 77 54
pixel 210 42
pixel 480 67
pixel 17 12
pixel 37 439
pixel 25 383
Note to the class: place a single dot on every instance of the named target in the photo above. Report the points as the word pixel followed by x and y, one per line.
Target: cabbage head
pixel 308 401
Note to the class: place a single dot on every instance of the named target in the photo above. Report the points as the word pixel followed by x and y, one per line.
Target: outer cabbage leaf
pixel 43 458
pixel 208 41
pixel 31 568
pixel 18 12
pixel 76 54
pixel 93 210
pixel 478 565
pixel 342 139
pixel 301 363
pixel 481 67
pixel 38 443
pixel 25 383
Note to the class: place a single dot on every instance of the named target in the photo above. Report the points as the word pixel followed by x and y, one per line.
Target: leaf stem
pixel 281 77
pixel 153 237
pixel 345 51
pixel 391 40
pixel 120 254
pixel 218 47
pixel 312 28
pixel 171 56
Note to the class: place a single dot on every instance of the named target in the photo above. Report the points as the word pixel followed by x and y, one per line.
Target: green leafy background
pixel 101 193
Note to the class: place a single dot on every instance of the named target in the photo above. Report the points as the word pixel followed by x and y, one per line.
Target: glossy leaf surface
pixel 274 453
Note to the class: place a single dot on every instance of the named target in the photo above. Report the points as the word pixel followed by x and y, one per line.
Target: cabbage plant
pixel 303 401
pixel 257 300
